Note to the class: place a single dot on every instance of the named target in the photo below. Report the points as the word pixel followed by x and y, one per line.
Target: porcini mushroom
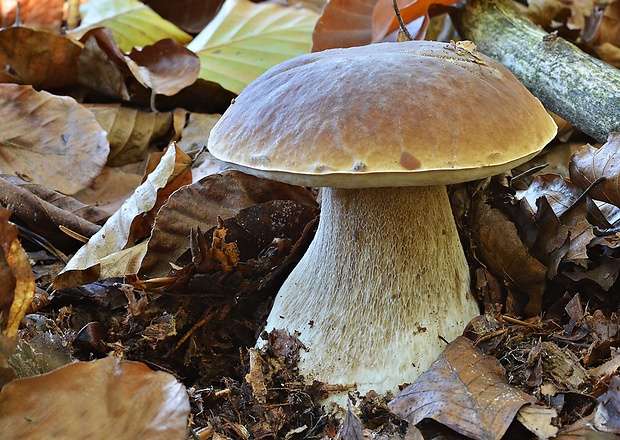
pixel 382 128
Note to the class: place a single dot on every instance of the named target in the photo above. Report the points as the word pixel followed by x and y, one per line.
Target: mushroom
pixel 382 128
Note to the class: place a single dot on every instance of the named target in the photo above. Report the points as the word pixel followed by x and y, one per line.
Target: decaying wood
pixel 583 90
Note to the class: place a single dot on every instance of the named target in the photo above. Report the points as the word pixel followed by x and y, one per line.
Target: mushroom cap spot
pixel 466 117
pixel 409 161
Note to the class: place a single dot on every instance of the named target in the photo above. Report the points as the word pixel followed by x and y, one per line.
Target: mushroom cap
pixel 390 114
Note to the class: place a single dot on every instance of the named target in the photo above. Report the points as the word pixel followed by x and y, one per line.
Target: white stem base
pixel 383 280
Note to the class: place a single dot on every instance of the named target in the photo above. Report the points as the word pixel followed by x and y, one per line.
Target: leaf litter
pixel 540 363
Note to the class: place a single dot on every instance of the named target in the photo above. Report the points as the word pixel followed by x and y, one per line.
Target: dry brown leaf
pixel 43 211
pixel 589 164
pixel 102 66
pixel 352 427
pixel 166 67
pixel 17 287
pixel 50 140
pixel 41 59
pixel 609 28
pixel 191 16
pixel 200 204
pixel 98 256
pixel 104 399
pixel 33 13
pixel 130 131
pixel 607 414
pixel 464 390
pixel 344 23
pixel 538 420
pixel 111 188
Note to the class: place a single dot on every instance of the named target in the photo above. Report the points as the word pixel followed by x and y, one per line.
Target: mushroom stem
pixel 384 280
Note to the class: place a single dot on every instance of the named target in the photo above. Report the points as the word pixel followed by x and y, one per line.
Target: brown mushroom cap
pixel 391 114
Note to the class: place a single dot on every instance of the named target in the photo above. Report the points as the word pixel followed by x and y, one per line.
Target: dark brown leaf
pixel 589 164
pixel 344 23
pixel 191 16
pixel 464 390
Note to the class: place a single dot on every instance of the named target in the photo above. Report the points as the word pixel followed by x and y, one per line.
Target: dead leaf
pixel 464 390
pixel 164 66
pixel 41 59
pixel 17 287
pixel 200 204
pixel 102 399
pixel 66 155
pixel 33 13
pixel 538 420
pixel 191 16
pixel 107 251
pixel 43 211
pixel 607 415
pixel 589 164
pixel 344 23
pixel 352 427
pixel 130 131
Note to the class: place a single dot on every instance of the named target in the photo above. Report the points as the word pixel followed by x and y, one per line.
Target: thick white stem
pixel 384 279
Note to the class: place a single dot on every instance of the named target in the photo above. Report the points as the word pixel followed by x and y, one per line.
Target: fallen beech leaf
pixel 101 66
pixel 103 399
pixel 130 131
pixel 132 23
pixel 192 15
pixel 607 414
pixel 245 39
pixel 33 13
pixel 116 234
pixel 464 390
pixel 588 164
pixel 537 419
pixel 344 23
pixel 165 66
pixel 65 152
pixel 384 19
pixel 200 204
pixel 41 59
pixel 17 287
pixel 43 211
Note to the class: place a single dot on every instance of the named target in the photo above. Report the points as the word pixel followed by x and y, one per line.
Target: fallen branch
pixel 581 89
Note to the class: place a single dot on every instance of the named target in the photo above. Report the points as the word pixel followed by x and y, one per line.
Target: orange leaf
pixel 384 19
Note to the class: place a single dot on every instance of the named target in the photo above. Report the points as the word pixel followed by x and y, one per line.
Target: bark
pixel 581 89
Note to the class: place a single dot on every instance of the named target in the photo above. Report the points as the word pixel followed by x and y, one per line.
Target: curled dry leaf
pixel 50 140
pixel 200 204
pixel 119 232
pixel 464 390
pixel 589 164
pixel 43 211
pixel 33 13
pixel 130 131
pixel 132 23
pixel 165 66
pixel 17 287
pixel 101 66
pixel 41 59
pixel 102 399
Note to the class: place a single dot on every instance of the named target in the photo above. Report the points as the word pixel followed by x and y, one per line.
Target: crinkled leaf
pixel 50 140
pixel 103 399
pixel 465 390
pixel 132 23
pixel 130 131
pixel 17 287
pixel 200 204
pixel 41 59
pixel 589 163
pixel 119 232
pixel 245 39
pixel 165 66
pixel 43 211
